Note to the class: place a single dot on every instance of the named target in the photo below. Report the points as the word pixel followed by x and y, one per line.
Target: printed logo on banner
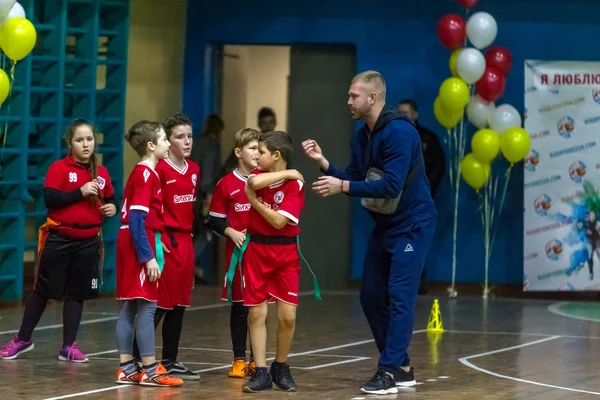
pixel 577 171
pixel 525 114
pixel 566 287
pixel 566 126
pixel 596 95
pixel 542 205
pixel 532 161
pixel 554 249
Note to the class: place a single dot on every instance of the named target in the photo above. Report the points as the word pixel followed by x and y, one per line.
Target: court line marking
pixel 520 334
pixel 225 366
pixel 555 309
pixel 464 361
pixel 337 363
pixel 116 317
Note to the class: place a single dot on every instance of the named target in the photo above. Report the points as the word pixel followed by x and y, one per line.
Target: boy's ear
pixel 238 152
pixel 150 146
pixel 277 155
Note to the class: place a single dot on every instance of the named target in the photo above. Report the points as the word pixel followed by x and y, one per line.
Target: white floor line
pixel 116 316
pixel 99 353
pixel 106 389
pixel 464 360
pixel 268 352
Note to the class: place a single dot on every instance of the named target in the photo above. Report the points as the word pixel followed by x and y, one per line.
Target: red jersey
pixel 178 193
pixel 143 192
pixel 285 197
pixel 67 175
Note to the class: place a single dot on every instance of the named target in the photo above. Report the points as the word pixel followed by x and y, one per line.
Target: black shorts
pixel 68 268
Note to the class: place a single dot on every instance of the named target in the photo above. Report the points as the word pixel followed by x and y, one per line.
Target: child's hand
pixel 152 270
pixel 108 209
pixel 89 188
pixel 164 246
pixel 294 174
pixel 237 237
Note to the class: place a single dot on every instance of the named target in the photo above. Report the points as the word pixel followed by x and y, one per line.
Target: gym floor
pixel 494 349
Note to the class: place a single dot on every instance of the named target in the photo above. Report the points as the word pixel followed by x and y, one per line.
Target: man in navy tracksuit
pixel 387 172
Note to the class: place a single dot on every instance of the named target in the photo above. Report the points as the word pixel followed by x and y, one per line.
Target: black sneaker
pixel 405 379
pixel 261 380
pixel 178 370
pixel 381 383
pixel 282 377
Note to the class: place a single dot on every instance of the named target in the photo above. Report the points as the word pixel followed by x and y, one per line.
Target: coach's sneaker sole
pixel 15 348
pixel 239 369
pixel 405 379
pixel 381 383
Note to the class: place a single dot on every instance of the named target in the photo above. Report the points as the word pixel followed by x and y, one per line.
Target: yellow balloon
pixel 4 86
pixel 18 38
pixel 453 59
pixel 454 94
pixel 447 119
pixel 515 144
pixel 485 145
pixel 475 173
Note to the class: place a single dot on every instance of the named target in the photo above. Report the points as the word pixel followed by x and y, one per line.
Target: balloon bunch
pixel 17 39
pixel 478 80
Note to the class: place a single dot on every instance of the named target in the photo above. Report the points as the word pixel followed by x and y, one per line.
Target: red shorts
pixel 132 281
pixel 177 278
pixel 271 271
pixel 237 288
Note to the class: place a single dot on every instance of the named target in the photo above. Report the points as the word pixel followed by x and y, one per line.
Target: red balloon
pixel 499 57
pixel 468 3
pixel 491 85
pixel 451 30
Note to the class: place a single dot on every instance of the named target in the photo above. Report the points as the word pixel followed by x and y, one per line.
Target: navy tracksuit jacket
pixel 387 172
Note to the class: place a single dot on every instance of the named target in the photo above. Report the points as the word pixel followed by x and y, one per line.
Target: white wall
pixel 253 77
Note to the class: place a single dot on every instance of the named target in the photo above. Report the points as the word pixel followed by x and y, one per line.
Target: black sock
pixel 158 314
pixel 238 325
pixel 171 332
pixel 33 312
pixel 72 311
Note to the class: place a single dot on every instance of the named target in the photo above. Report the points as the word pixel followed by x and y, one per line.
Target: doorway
pixel 306 86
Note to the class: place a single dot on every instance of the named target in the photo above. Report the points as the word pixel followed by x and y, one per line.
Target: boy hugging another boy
pixel 271 263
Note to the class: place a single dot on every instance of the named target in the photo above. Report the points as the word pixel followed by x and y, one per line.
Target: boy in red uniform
pixel 229 212
pixel 271 263
pixel 178 179
pixel 140 258
pixel 78 194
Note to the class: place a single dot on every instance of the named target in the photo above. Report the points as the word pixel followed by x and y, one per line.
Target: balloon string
pixel 11 83
pixel 501 207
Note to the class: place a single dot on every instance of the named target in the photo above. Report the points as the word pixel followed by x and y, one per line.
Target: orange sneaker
pixel 238 369
pixel 133 378
pixel 159 378
pixel 251 368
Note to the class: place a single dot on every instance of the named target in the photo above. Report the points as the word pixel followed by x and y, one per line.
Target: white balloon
pixel 480 111
pixel 6 6
pixel 470 65
pixel 504 118
pixel 482 29
pixel 16 12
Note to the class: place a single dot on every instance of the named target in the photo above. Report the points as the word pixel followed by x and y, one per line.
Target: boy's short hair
pixel 244 136
pixel 279 141
pixel 265 112
pixel 174 121
pixel 141 133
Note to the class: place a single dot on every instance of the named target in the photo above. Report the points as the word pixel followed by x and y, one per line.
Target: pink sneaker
pixel 72 354
pixel 16 347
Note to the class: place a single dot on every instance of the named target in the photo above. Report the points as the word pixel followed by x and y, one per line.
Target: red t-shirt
pixel 67 175
pixel 178 193
pixel 143 192
pixel 229 201
pixel 285 197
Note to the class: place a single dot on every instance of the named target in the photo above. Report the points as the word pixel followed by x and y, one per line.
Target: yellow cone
pixel 435 318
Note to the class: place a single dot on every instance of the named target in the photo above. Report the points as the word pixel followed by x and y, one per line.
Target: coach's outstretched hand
pixel 327 186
